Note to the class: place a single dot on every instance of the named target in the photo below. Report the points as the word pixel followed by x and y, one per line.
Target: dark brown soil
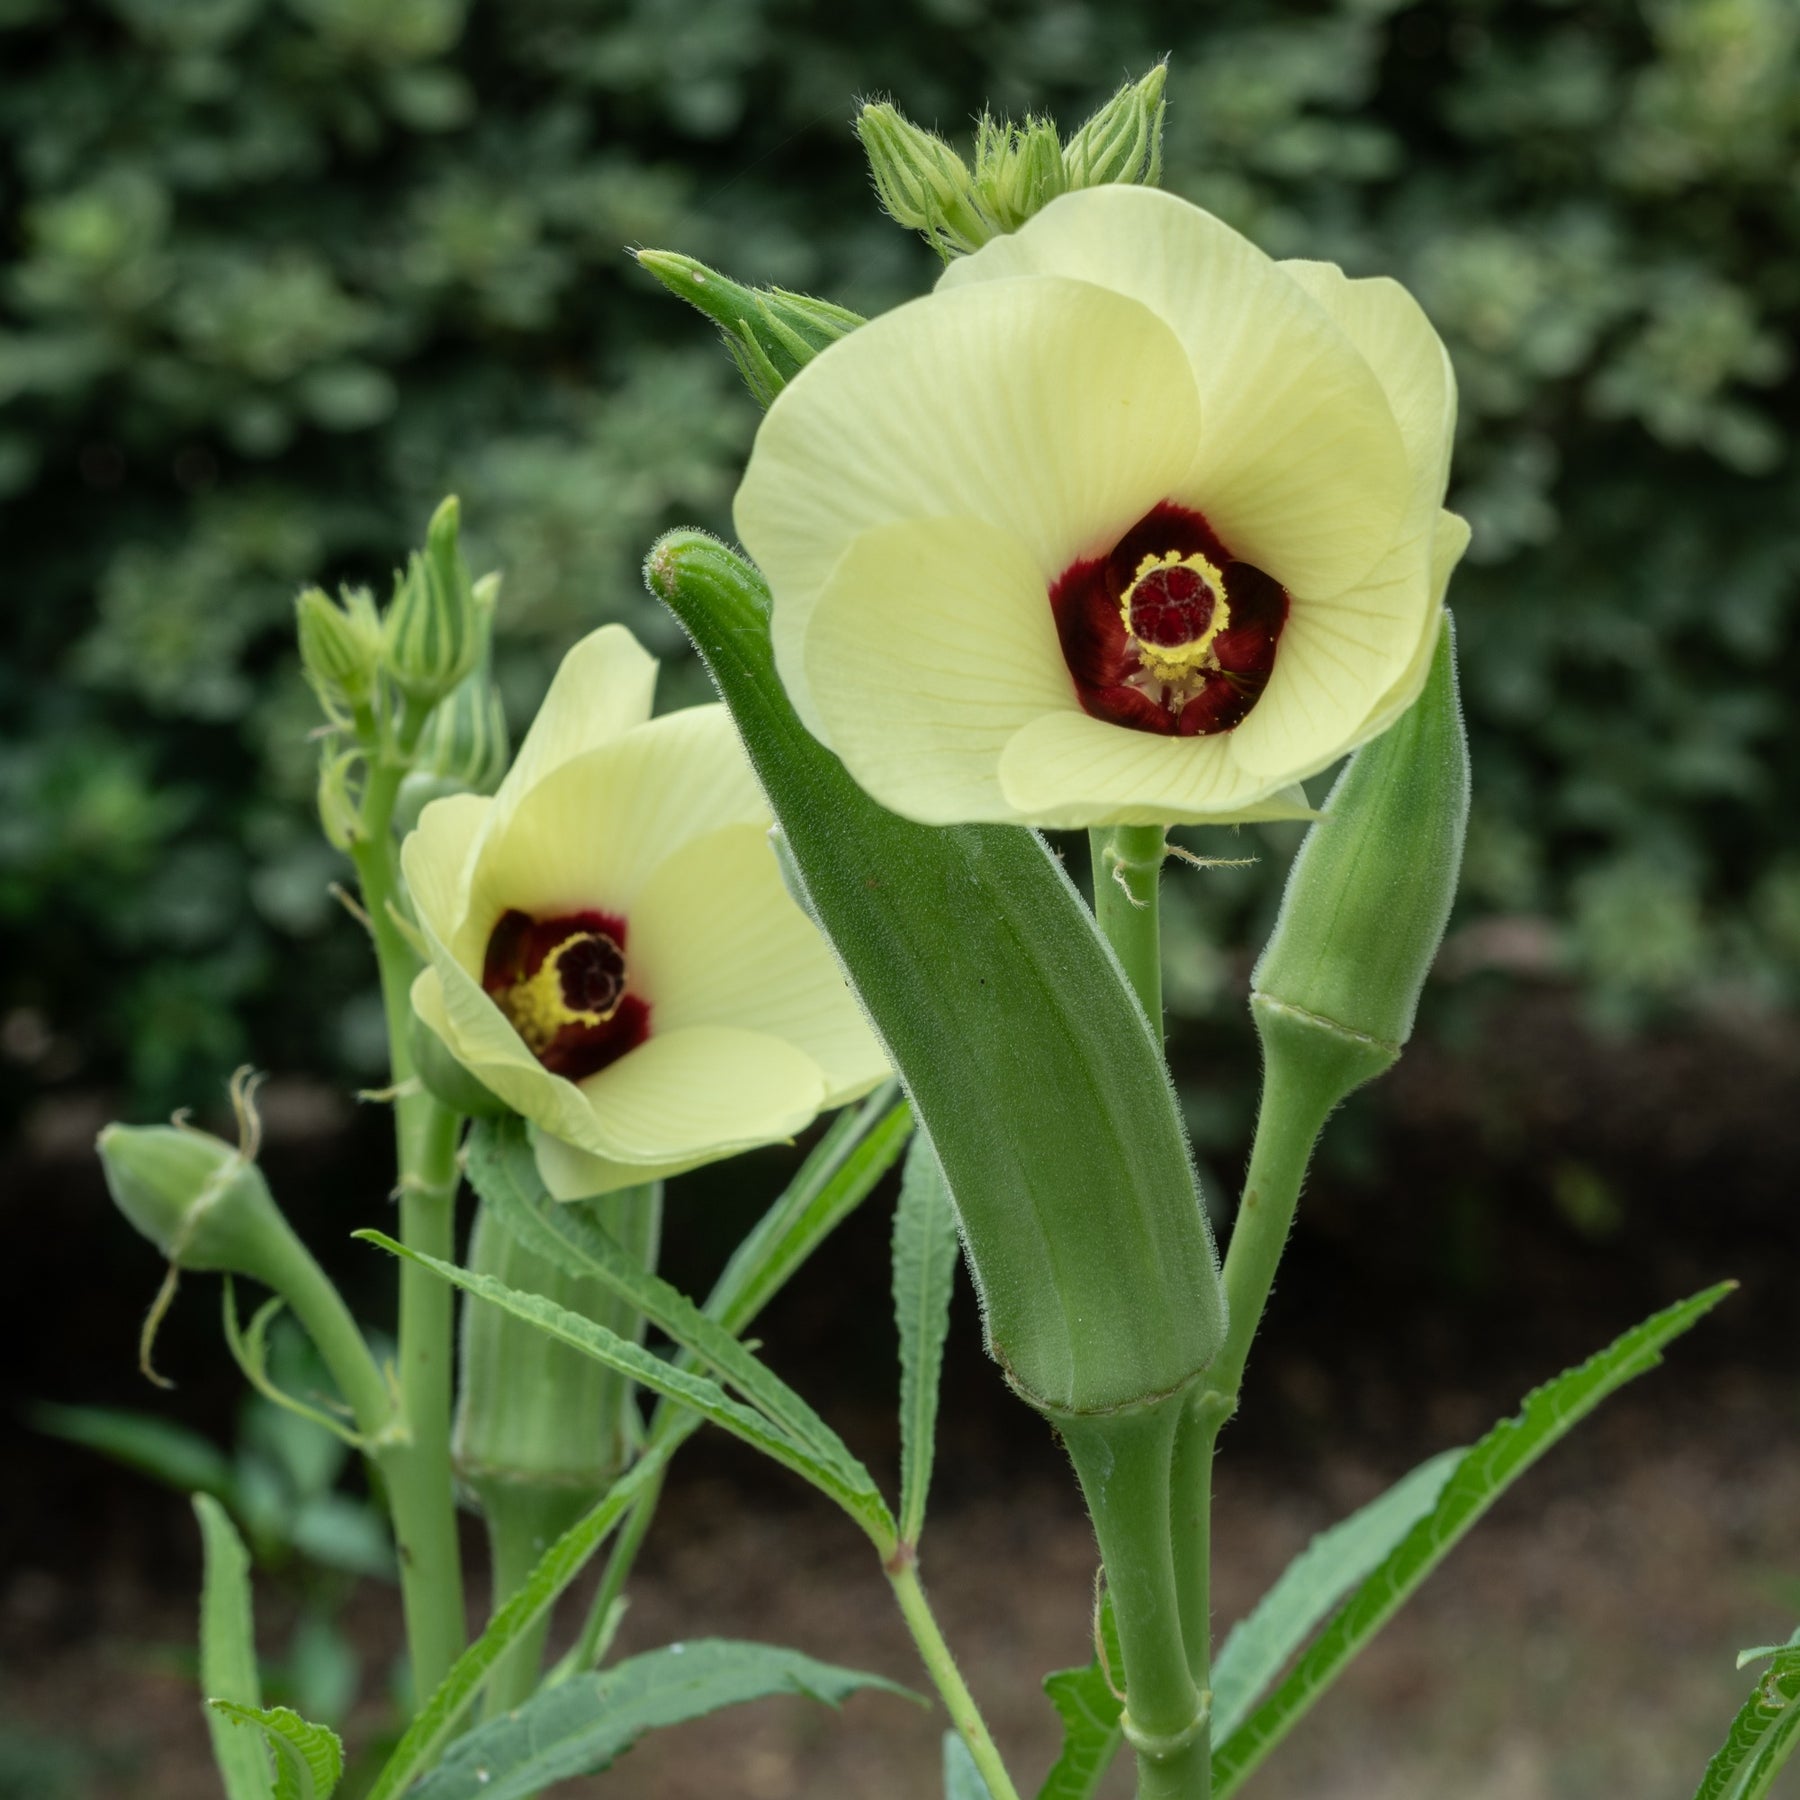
pixel 1522 1201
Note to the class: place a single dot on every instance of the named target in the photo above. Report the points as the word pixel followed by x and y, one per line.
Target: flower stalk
pixel 426 1133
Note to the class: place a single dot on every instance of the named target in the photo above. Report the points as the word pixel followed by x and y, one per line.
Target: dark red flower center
pixel 1168 632
pixel 562 984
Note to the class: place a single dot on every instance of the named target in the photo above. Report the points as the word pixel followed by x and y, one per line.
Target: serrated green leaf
pixel 556 1568
pixel 1313 1583
pixel 1762 1736
pixel 859 1498
pixel 166 1452
pixel 503 1170
pixel 1483 1474
pixel 309 1759
pixel 228 1654
pixel 845 1164
pixel 1090 1711
pixel 962 1780
pixel 925 1245
pixel 591 1720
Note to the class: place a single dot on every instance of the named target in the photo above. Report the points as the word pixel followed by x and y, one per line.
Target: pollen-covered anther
pixel 562 984
pixel 1173 610
pixel 580 982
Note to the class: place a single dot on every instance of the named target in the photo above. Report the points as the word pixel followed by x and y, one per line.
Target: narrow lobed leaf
pixel 962 1780
pixel 1480 1477
pixel 228 1654
pixel 587 1723
pixel 1313 1583
pixel 856 1493
pixel 504 1172
pixel 1090 1709
pixel 309 1758
pixel 1762 1736
pixel 925 1246
pixel 845 1165
pixel 556 1569
pixel 165 1452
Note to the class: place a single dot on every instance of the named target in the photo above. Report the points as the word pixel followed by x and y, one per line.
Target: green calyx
pixel 1029 1061
pixel 772 334
pixel 1019 168
pixel 1370 893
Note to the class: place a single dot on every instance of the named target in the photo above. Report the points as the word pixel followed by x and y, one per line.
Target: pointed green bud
pixel 203 1204
pixel 922 183
pixel 466 740
pixel 1122 142
pixel 340 646
pixel 772 334
pixel 1369 895
pixel 1018 170
pixel 434 631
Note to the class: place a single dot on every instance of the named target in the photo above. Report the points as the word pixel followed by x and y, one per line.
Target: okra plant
pixel 1123 526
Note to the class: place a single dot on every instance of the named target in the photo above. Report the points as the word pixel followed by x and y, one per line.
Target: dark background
pixel 276 274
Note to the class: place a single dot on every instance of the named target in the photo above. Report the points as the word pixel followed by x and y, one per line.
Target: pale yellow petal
pixel 932 643
pixel 1054 410
pixel 590 833
pixel 1336 659
pixel 705 1091
pixel 1449 542
pixel 1300 468
pixel 603 687
pixel 1391 330
pixel 451 1003
pixel 1067 770
pixel 571 1174
pixel 435 859
pixel 715 940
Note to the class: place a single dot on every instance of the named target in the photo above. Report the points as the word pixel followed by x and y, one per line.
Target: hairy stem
pixel 934 1652
pixel 416 1468
pixel 1127 866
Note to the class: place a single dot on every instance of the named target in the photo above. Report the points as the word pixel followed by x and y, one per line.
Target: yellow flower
pixel 613 952
pixel 1124 524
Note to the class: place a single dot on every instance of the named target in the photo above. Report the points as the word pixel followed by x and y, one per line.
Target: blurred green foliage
pixel 279 273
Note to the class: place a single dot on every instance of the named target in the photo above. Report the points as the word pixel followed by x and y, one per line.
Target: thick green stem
pixel 1123 1460
pixel 934 1652
pixel 518 1535
pixel 1190 1528
pixel 416 1468
pixel 1127 866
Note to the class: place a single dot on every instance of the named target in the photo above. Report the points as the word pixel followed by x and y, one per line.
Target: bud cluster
pixel 1019 168
pixel 411 679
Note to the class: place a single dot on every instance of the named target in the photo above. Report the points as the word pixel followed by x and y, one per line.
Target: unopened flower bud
pixel 340 645
pixel 203 1204
pixel 1370 893
pixel 772 334
pixel 1122 142
pixel 434 631
pixel 1018 170
pixel 922 183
